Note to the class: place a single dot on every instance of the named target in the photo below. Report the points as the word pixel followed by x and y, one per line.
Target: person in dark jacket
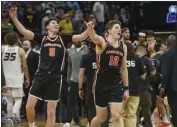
pixel 169 74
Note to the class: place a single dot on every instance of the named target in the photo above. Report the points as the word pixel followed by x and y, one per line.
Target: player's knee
pixel 102 118
pixel 29 106
pixel 115 117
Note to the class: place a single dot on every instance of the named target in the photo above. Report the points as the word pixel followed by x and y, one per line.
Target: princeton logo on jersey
pixel 52 45
pixel 114 52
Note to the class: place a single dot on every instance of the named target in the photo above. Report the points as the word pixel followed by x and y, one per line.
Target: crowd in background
pixel 71 17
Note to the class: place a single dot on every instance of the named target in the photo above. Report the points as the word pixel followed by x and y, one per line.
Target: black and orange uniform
pixel 108 88
pixel 48 79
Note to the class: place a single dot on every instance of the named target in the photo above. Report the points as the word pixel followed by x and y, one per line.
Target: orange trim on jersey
pixel 63 61
pixel 53 39
pixel 98 56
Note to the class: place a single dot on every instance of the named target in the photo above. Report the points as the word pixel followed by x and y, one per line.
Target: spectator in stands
pixel 78 22
pixel 6 26
pixel 21 14
pixel 72 5
pixel 38 16
pixel 126 35
pixel 48 14
pixel 125 16
pixel 98 11
pixel 141 39
pixel 116 16
pixel 29 18
pixel 66 27
pixel 59 13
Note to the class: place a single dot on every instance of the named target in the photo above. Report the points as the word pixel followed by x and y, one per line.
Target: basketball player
pixel 46 84
pixel 87 69
pixel 111 61
pixel 13 57
pixel 135 71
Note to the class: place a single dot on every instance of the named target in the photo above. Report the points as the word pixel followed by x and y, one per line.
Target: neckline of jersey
pixel 112 45
pixel 52 39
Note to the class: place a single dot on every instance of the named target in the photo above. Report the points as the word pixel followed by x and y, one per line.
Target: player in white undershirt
pixel 14 64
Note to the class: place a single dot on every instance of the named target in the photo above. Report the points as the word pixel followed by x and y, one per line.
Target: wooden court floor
pixel 41 123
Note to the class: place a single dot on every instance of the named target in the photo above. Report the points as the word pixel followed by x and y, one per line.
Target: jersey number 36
pixel 130 63
pixel 10 56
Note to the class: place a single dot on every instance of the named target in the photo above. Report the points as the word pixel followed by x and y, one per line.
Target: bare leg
pixel 30 108
pixel 115 109
pixel 101 115
pixel 51 109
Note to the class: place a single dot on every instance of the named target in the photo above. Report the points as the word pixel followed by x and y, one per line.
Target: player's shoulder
pixel 21 51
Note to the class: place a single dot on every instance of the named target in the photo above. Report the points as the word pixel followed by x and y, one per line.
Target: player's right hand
pixel 90 25
pixel 12 12
pixel 27 83
pixel 81 94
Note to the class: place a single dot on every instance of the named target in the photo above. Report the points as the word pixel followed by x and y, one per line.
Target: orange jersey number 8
pixel 52 52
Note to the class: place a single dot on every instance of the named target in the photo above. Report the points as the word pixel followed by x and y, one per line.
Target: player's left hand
pixel 27 83
pixel 126 95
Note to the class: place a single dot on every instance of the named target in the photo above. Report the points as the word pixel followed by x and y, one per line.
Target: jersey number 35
pixel 10 56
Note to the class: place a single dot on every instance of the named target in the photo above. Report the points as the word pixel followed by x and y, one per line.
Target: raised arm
pixel 80 37
pixel 97 40
pixel 20 27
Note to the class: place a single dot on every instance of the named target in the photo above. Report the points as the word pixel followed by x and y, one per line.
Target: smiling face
pixel 115 31
pixel 53 26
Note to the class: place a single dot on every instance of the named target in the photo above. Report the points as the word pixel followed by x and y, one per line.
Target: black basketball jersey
pixel 89 63
pixel 52 55
pixel 109 62
pixel 135 68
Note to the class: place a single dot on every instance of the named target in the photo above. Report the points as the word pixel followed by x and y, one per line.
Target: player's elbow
pixel 76 38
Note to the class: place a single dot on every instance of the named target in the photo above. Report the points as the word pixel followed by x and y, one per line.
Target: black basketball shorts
pixel 104 97
pixel 46 87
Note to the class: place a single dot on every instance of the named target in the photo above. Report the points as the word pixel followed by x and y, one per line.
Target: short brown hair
pixel 171 41
pixel 111 23
pixel 11 38
pixel 125 29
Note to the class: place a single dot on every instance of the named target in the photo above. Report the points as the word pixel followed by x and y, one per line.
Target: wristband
pixel 126 88
pixel 81 89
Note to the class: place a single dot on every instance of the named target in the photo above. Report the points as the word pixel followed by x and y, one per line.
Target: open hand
pixel 12 12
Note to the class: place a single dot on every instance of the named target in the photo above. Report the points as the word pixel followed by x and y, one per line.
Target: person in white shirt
pixel 14 64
